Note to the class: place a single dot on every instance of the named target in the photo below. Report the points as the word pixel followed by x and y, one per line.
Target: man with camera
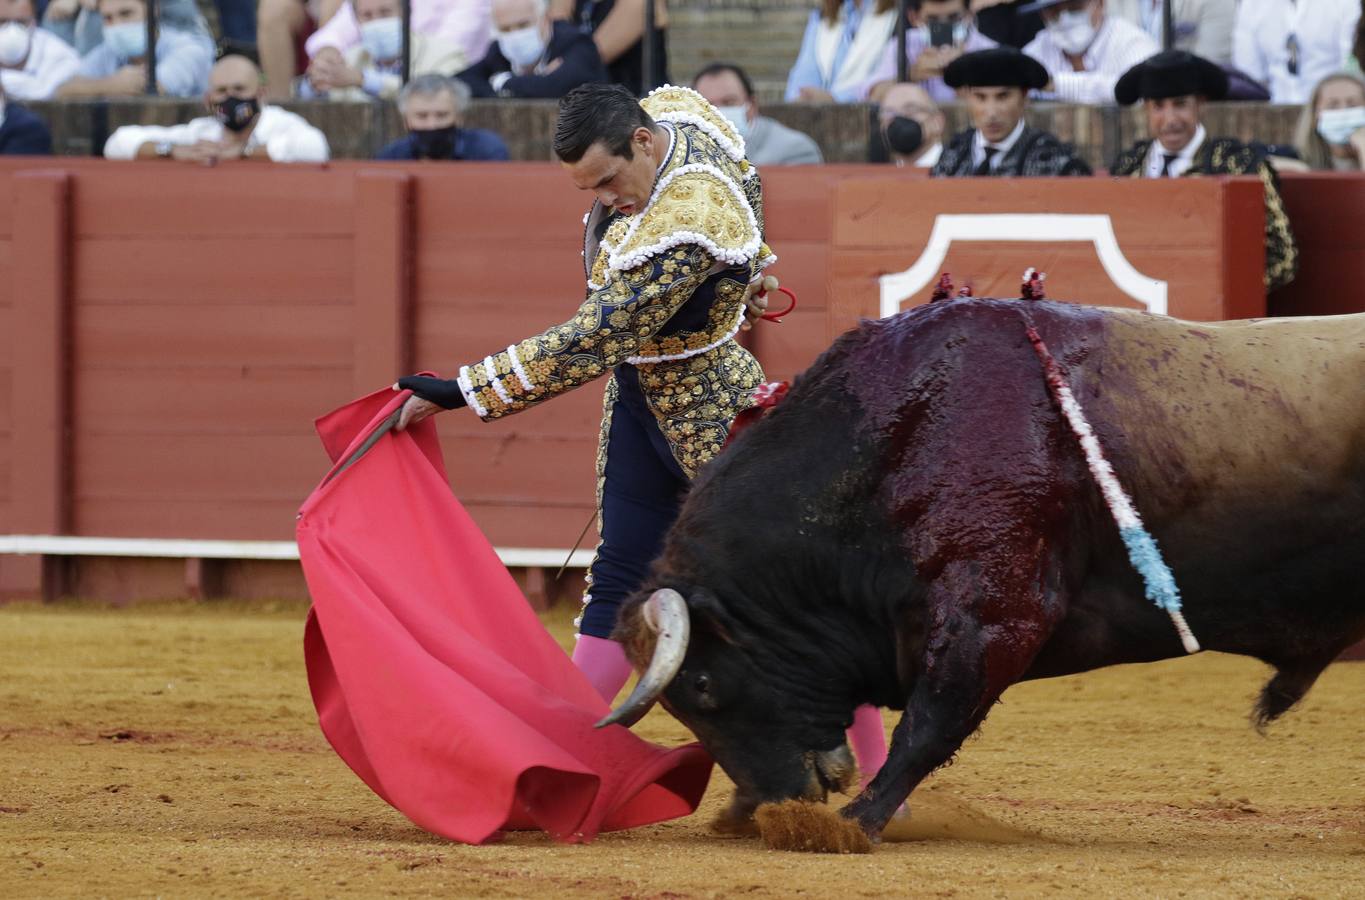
pixel 938 32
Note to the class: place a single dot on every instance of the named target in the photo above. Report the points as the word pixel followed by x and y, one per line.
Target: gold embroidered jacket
pixel 1225 156
pixel 665 294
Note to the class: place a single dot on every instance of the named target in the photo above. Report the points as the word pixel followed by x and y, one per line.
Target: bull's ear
pixel 709 615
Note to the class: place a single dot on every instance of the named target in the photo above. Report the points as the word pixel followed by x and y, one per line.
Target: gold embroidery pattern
pixel 695 399
pixel 610 326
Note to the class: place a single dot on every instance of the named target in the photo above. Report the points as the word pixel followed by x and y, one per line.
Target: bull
pixel 915 527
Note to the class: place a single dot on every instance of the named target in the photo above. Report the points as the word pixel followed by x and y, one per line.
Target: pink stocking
pixel 605 664
pixel 868 737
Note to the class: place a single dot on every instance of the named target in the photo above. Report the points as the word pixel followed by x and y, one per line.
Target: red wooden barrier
pixel 172 330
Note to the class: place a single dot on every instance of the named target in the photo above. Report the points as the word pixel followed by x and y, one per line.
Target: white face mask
pixel 15 38
pixel 128 40
pixel 382 38
pixel 1073 31
pixel 1337 125
pixel 523 47
pixel 738 116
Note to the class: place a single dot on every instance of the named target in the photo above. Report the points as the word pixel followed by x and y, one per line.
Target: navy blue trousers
pixel 643 486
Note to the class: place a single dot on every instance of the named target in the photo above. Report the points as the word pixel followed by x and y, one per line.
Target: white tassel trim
pixel 493 380
pixel 724 134
pixel 518 370
pixel 743 254
pixel 467 388
pixel 674 357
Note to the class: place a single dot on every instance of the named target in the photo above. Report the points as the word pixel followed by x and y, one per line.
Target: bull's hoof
pixel 809 828
pixel 734 826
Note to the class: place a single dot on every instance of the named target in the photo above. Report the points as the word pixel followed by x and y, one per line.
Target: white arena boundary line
pixel 1030 228
pixel 173 548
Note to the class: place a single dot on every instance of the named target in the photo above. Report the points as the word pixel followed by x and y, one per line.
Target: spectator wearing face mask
pixel 21 132
pixel 842 45
pixel 767 142
pixel 241 127
pixel 939 32
pixel 433 108
pixel 117 67
pixel 462 24
pixel 1084 50
pixel 533 56
pixel 911 126
pixel 33 62
pixel 1174 87
pixel 77 22
pixel 1291 45
pixel 375 67
pixel 995 86
pixel 1203 27
pixel 1331 132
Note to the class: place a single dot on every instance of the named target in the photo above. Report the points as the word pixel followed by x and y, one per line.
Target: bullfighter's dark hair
pixel 592 113
pixel 720 68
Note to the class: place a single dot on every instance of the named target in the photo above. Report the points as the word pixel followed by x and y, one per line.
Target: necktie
pixel 985 167
pixel 1166 164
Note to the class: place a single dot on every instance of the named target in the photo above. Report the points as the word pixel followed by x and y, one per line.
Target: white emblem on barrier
pixel 1024 227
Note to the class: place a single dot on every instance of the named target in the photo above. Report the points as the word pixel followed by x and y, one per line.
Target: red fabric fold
pixel 433 678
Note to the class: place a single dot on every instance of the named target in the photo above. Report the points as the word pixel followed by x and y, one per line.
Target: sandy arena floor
pixel 173 751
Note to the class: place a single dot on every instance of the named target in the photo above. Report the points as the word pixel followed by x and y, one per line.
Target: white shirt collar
pixel 979 145
pixel 1156 155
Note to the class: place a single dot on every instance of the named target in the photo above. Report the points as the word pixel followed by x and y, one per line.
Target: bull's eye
pixel 703 683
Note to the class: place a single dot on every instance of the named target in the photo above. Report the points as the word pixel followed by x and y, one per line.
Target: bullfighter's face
pixel 623 182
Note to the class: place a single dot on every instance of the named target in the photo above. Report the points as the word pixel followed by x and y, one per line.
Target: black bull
pixel 915 527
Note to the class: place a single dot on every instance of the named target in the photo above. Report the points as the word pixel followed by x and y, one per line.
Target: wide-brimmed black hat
pixel 997 67
pixel 1171 73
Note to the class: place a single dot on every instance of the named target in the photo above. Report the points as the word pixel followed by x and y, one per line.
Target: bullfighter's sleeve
pixel 607 329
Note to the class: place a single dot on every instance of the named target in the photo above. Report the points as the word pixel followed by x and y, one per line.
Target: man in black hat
pixel 994 84
pixel 1174 86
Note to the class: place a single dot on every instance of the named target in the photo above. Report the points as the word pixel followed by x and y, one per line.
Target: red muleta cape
pixel 434 680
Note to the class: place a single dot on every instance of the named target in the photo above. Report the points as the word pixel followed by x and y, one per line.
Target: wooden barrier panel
pixel 1188 247
pixel 1327 212
pixel 172 331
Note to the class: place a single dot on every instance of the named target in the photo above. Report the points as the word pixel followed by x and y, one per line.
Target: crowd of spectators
pixel 992 57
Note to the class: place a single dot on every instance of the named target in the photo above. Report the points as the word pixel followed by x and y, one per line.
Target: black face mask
pixel 904 136
pixel 237 114
pixel 435 143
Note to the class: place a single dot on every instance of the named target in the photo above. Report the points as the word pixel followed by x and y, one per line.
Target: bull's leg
pixel 983 633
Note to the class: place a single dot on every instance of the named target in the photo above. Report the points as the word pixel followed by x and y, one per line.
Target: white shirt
pixel 286 136
pixel 1118 46
pixel 1156 156
pixel 1323 30
pixel 51 63
pixel 979 146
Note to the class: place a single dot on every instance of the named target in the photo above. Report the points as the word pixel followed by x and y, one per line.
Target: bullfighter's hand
pixel 756 299
pixel 430 395
pixel 415 410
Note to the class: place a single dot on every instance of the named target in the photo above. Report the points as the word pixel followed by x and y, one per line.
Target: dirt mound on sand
pixel 937 815
pixel 809 827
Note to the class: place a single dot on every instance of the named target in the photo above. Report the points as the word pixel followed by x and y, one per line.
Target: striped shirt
pixel 1118 46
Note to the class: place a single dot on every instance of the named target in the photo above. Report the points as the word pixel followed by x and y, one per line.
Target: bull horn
pixel 665 613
